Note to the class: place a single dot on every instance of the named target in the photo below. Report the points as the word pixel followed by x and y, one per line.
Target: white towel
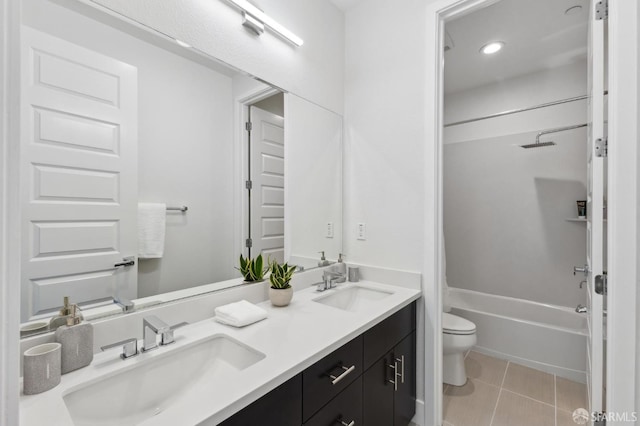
pixel 151 229
pixel 240 313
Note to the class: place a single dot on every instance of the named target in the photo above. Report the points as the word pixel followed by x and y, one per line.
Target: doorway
pixel 265 182
pixel 445 14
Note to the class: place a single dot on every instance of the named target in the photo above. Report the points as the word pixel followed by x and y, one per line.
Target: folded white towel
pixel 240 313
pixel 151 229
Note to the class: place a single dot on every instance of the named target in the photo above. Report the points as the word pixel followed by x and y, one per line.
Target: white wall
pixel 185 148
pixel 273 104
pixel 505 206
pixel 313 71
pixel 525 91
pixel 384 149
pixel 313 180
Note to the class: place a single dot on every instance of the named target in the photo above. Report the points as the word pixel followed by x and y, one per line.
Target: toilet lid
pixel 453 324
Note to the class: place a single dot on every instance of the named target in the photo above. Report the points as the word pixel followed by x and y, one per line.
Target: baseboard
pixel 575 375
pixel 418 419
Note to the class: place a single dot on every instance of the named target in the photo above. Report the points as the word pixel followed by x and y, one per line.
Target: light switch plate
pixel 329 233
pixel 362 231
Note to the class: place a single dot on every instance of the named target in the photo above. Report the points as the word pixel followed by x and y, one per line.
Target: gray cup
pixel 354 274
pixel 42 368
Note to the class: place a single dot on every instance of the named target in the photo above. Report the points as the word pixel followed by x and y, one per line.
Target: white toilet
pixel 458 336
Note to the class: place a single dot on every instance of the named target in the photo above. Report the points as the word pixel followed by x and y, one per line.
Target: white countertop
pixel 292 338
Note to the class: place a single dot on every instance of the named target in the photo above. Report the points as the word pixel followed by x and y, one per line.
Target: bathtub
pixel 545 337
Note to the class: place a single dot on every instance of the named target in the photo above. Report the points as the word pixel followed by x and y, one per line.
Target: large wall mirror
pixel 124 129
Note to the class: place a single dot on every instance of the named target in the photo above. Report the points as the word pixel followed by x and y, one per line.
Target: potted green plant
pixel 280 291
pixel 252 269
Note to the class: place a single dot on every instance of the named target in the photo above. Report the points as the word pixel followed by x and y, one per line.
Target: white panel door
pixel 595 219
pixel 266 146
pixel 79 174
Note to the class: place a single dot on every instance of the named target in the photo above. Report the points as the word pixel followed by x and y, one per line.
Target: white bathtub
pixel 545 337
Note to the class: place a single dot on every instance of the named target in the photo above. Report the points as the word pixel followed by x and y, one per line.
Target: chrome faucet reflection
pixel 329 280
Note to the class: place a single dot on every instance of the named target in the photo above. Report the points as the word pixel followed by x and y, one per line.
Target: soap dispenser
pixel 323 260
pixel 341 268
pixel 76 339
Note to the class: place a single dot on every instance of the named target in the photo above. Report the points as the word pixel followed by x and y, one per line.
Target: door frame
pixel 622 367
pixel 9 211
pixel 240 153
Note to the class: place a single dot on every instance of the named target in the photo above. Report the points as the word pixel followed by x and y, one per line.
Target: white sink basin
pixel 352 299
pixel 150 386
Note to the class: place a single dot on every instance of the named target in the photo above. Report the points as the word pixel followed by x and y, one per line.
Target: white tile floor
pixel 502 393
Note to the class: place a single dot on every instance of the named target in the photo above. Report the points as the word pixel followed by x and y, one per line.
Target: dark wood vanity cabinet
pixel 344 409
pixel 282 406
pixel 389 386
pixel 369 381
pixel 331 375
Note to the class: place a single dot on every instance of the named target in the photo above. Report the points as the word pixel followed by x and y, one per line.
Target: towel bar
pixel 181 208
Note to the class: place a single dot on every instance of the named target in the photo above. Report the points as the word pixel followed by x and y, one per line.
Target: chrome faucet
pixel 152 326
pixel 129 347
pixel 329 280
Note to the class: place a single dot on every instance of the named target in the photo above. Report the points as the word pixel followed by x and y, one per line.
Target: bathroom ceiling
pixel 538 36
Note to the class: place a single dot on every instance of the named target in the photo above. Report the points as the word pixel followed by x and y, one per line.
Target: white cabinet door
pixel 266 146
pixel 79 175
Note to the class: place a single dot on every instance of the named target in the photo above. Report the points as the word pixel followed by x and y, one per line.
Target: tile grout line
pixel 495 408
pixel 529 398
pixel 555 400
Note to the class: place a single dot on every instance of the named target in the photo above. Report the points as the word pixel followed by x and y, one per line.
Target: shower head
pixel 537 145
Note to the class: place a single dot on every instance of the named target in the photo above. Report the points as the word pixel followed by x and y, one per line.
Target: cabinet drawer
pixel 329 376
pixel 346 408
pixel 381 338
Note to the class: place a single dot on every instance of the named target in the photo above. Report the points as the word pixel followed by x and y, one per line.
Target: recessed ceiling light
pixel 491 48
pixel 183 44
pixel 573 10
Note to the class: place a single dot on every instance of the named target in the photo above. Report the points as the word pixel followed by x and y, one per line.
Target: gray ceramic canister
pixel 354 274
pixel 42 365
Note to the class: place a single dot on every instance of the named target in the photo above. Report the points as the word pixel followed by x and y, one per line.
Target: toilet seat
pixel 453 324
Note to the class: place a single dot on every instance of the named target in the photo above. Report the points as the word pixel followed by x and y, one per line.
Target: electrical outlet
pixel 329 233
pixel 362 231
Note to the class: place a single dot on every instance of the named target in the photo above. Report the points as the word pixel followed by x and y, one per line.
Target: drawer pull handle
pixel 401 361
pixel 394 382
pixel 336 379
pixel 343 423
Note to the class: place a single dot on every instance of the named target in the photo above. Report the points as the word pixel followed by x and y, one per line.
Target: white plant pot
pixel 280 297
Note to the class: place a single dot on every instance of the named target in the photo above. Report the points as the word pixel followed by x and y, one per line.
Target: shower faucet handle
pixel 584 270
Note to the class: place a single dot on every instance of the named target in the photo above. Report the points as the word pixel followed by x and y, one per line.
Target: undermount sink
pixel 352 299
pixel 139 393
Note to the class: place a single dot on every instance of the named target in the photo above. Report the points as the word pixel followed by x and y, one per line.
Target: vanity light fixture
pixel 491 48
pixel 256 20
